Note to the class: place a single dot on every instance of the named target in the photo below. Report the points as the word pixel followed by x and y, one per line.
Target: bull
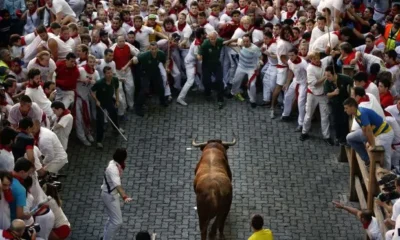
pixel 213 186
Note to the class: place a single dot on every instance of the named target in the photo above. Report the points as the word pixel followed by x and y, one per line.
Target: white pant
pixel 395 157
pixel 233 60
pixel 80 127
pixel 385 140
pixel 66 97
pixel 128 84
pixel 225 60
pixel 122 101
pixel 46 223
pixel 54 167
pixel 113 211
pixel 167 89
pixel 191 75
pixel 389 235
pixel 311 104
pixel 269 82
pixel 301 101
pixel 240 74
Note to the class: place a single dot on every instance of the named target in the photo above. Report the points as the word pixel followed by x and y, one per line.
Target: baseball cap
pixel 152 16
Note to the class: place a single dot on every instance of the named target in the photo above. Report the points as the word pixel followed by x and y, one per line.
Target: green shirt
pixel 343 82
pixel 105 92
pixel 149 63
pixel 210 53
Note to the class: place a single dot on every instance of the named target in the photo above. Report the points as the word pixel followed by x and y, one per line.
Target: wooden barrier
pixel 364 185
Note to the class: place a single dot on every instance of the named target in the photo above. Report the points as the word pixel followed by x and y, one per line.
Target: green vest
pixel 3 65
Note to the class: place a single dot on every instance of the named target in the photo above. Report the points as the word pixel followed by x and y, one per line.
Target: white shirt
pixel 62 48
pixel 70 42
pixel 363 47
pixel 44 70
pixel 38 96
pixel 372 104
pixel 213 21
pixel 394 112
pixel 322 42
pixel 100 66
pixel 272 50
pixel 369 59
pixel 225 18
pixel 283 47
pixel 7 160
pixel 315 73
pixel 299 71
pixel 373 230
pixel 15 114
pixel 143 36
pixel 396 129
pixel 5 218
pixel 51 147
pixel 114 34
pixel 257 36
pixel 63 132
pixel 59 216
pixel 191 57
pixel 83 88
pixel 239 33
pixel 373 89
pixel 97 49
pixel 186 31
pixel 284 16
pixel 274 20
pixel 63 7
pixel 112 176
pixel 315 34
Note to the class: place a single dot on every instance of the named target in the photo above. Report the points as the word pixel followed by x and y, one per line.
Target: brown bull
pixel 213 186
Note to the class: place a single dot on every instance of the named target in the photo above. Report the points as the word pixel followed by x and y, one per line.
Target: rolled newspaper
pixel 37 208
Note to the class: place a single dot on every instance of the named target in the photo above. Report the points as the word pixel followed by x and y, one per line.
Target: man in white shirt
pixel 316 96
pixel 54 154
pixel 35 91
pixel 269 79
pixel 142 33
pixel 25 108
pixel 336 6
pixel 319 30
pixel 7 138
pixel 361 80
pixel 63 125
pixel 331 40
pixel 63 12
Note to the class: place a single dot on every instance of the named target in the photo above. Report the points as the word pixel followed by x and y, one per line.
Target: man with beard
pixel 25 108
pixel 35 91
pixel 57 47
pixel 392 33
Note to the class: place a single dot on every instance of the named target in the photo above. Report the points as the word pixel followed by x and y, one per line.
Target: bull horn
pixel 195 144
pixel 230 143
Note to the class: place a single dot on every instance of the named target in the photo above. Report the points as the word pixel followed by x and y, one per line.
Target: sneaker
pixel 253 105
pixel 90 138
pixel 180 101
pixel 329 141
pixel 239 97
pixel 220 105
pixel 272 114
pixel 299 128
pixel 86 143
pixel 285 119
pixel 99 145
pixel 304 136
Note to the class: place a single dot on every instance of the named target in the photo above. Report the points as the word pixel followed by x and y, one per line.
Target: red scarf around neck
pixel 31 12
pixel 5 147
pixel 65 112
pixel 203 24
pixel 193 15
pixel 317 65
pixel 215 15
pixel 363 99
pixel 198 42
pixel 368 49
pixel 115 30
pixel 271 42
pixel 181 26
pixel 64 39
pixel 367 85
pixel 289 15
pixel 297 60
pixel 88 69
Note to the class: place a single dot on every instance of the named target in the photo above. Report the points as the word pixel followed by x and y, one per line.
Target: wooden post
pixel 353 171
pixel 342 157
pixel 375 156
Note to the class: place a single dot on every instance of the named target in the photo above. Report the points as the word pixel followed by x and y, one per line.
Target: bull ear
pixel 202 148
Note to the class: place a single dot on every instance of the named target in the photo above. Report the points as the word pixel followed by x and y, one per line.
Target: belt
pixel 281 66
pixel 394 145
pixel 309 91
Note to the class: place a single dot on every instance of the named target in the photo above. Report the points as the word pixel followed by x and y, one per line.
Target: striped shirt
pixel 248 57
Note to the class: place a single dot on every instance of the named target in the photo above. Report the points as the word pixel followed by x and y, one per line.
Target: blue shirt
pixel 13 5
pixel 19 195
pixel 366 116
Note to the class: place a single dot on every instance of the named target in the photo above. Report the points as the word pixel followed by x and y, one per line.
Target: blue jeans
pixel 357 141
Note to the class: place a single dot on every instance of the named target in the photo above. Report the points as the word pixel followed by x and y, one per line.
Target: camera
pixel 29 231
pixel 385 197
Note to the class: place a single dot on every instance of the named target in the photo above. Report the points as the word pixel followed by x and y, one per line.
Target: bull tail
pixel 207 203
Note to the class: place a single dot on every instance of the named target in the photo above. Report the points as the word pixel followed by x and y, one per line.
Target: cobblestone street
pixel 291 183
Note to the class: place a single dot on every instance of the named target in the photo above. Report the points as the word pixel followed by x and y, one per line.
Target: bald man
pixel 16 230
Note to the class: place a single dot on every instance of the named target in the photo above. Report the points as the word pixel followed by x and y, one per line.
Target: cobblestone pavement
pixel 289 182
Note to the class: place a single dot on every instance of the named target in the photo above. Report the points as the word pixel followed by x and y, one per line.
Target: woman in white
pixel 62 227
pixel 45 64
pixel 31 17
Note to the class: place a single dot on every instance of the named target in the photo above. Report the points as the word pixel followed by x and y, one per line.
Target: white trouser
pixel 269 82
pixel 114 214
pixel 395 158
pixel 225 60
pixel 385 140
pixel 122 101
pixel 80 126
pixel 128 84
pixel 233 61
pixel 176 74
pixel 46 223
pixel 167 89
pixel 66 97
pixel 290 95
pixel 191 75
pixel 240 74
pixel 389 235
pixel 54 167
pixel 177 56
pixel 311 104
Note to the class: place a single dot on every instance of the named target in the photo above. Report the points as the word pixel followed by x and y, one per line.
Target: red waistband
pixel 309 91
pixel 281 66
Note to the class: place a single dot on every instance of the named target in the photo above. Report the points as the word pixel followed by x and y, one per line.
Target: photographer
pixel 5 199
pixel 16 231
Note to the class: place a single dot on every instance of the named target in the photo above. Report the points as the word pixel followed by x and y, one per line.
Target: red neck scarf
pixel 5 147
pixel 198 42
pixel 193 15
pixel 31 12
pixel 302 55
pixel 178 10
pixel 4 103
pixel 367 84
pixel 138 30
pixel 297 60
pixel 245 9
pixel 65 112
pixel 74 35
pixel 366 225
pixel 271 42
pixel 371 77
pixel 9 198
pixel 201 9
pixel 115 30
pixel 337 33
pixel 20 180
pixel 289 15
pixel 50 30
pixel 229 14
pixel 88 69
pixel 181 26
pixel 368 49
pixel 172 30
pixel 64 39
pixel 363 99
pixel 317 65
pixel 388 65
pixel 129 22
pixel 215 15
pixel 242 27
pixel 30 85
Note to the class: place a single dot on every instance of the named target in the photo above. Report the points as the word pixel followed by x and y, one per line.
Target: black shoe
pixel 265 104
pixel 139 112
pixel 304 136
pixel 220 105
pixel 299 128
pixel 253 105
pixel 329 141
pixel 285 119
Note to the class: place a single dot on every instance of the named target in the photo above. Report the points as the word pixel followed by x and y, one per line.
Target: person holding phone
pixel 110 189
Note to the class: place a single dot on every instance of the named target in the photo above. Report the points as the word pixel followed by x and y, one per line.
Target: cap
pixel 152 16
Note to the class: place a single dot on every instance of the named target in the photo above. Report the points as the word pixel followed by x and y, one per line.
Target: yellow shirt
pixel 264 234
pixel 152 37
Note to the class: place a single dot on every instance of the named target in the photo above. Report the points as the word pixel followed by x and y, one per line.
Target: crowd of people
pixel 67 64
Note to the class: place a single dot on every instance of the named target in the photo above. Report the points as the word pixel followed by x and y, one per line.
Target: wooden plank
pixel 353 171
pixel 360 193
pixel 342 156
pixel 364 172
pixel 380 218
